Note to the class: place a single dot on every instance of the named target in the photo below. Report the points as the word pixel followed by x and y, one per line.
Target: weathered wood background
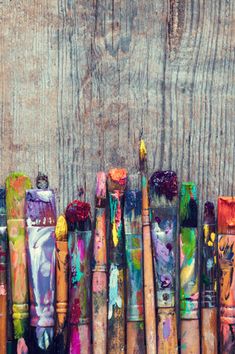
pixel 79 79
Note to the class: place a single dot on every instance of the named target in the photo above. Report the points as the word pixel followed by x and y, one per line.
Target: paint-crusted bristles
pixel 77 212
pixel 61 230
pixel 117 179
pixel 163 188
pixel 42 181
pixel 209 213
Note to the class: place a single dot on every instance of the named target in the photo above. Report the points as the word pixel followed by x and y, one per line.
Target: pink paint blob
pixel 81 247
pixel 22 347
pixel 75 343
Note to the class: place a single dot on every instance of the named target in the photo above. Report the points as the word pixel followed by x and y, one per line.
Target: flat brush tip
pixel 61 230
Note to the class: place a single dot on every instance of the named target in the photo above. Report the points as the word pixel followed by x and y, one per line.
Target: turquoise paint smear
pixel 76 258
pixel 114 297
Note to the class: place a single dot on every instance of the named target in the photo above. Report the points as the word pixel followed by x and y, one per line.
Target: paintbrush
pixel 78 217
pixel 61 233
pixel 99 276
pixel 209 282
pixel 40 216
pixel 16 185
pixel 189 292
pixel 134 258
pixel 149 300
pixel 3 272
pixel 116 307
pixel 163 195
pixel 226 257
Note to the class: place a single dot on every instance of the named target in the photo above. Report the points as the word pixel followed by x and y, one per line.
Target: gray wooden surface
pixel 80 79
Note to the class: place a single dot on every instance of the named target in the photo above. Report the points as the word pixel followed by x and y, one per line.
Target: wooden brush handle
pixel 167 331
pixel 61 284
pixel 20 314
pixel 116 312
pixel 99 285
pixel 149 301
pixel 190 342
pixel 209 331
pixel 135 337
pixel 99 312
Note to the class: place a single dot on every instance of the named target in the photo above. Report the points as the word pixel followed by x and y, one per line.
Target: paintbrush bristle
pixel 61 230
pixel 117 179
pixel 101 185
pixel 143 150
pixel 163 188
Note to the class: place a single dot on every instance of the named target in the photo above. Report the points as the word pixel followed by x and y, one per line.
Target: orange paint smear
pixel 226 215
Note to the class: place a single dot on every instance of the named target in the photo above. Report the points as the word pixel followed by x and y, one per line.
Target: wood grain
pixel 79 79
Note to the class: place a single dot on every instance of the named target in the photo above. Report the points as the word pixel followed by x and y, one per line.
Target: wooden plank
pixel 81 78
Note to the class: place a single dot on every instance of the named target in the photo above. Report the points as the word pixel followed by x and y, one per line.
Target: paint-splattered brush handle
pixel 116 306
pixel 79 291
pixel 189 291
pixel 163 230
pixel 3 273
pixel 163 195
pixel 209 282
pixel 134 249
pixel 79 245
pixel 99 276
pixel 149 297
pixel 40 243
pixel 16 185
pixel 226 257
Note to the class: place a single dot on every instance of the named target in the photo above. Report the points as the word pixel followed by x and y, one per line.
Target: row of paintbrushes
pixel 83 299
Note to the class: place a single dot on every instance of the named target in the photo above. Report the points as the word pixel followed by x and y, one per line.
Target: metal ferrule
pixel 79 245
pixel 41 269
pixel 163 232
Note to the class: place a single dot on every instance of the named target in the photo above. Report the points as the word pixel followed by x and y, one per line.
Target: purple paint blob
pixel 166 328
pixel 164 183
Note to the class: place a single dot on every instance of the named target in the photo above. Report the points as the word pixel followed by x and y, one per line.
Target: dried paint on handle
pixel 3 272
pixel 62 269
pixel 189 289
pixel 40 241
pixel 79 243
pixel 209 281
pixel 134 258
pixel 61 284
pixel 189 292
pixel 116 306
pixel 163 197
pixel 226 258
pixel 16 185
